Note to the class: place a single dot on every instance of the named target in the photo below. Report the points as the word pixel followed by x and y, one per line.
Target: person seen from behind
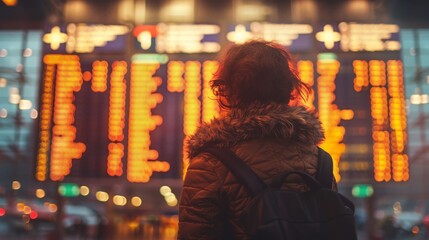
pixel 262 122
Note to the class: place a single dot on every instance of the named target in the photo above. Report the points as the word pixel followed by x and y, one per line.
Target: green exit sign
pixel 69 190
pixel 362 190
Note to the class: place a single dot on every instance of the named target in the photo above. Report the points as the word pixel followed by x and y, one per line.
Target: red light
pixel 2 212
pixel 33 215
pixel 426 221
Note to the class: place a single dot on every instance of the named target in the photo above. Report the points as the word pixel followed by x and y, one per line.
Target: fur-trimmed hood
pixel 257 121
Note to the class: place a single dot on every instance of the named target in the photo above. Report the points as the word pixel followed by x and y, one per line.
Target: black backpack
pixel 318 214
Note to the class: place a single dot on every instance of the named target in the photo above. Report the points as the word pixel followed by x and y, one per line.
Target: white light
pixel 3 113
pixel 172 203
pixel 424 98
pixel 3 82
pixel 119 200
pixel 164 190
pixel 283 34
pixel 27 52
pixel 328 36
pixel 83 38
pixel 211 47
pixel 186 38
pixel 419 99
pixel 239 35
pixel 84 190
pixel 369 37
pixel 55 38
pixel 3 53
pixel 34 114
pixel 25 104
pixel 145 39
pixel 14 96
pixel 169 197
pixel 102 196
pixel 19 67
pixel 16 185
pixel 415 99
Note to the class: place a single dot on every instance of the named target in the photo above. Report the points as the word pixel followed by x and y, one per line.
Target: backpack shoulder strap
pixel 324 169
pixel 239 168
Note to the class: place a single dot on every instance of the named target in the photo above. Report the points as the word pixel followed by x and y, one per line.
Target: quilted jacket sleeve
pixel 200 208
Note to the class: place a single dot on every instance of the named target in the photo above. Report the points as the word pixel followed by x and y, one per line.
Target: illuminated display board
pixel 178 38
pixel 86 38
pixel 356 37
pixel 362 109
pixel 125 112
pixel 297 37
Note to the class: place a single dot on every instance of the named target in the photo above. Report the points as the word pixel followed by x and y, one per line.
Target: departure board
pixel 119 101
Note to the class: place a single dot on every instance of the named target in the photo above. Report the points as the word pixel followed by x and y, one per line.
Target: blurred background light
pixel 16 185
pixel 136 201
pixel 10 3
pixel 84 190
pixel 40 193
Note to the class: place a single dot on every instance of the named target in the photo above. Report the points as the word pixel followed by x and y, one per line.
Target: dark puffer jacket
pixel 271 139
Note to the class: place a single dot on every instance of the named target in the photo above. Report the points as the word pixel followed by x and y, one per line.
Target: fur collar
pixel 257 121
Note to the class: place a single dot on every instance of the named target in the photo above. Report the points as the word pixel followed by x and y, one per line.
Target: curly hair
pixel 257 71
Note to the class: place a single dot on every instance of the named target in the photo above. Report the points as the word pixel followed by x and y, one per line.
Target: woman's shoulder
pixel 257 122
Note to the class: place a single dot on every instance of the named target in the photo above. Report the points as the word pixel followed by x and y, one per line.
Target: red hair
pixel 257 71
